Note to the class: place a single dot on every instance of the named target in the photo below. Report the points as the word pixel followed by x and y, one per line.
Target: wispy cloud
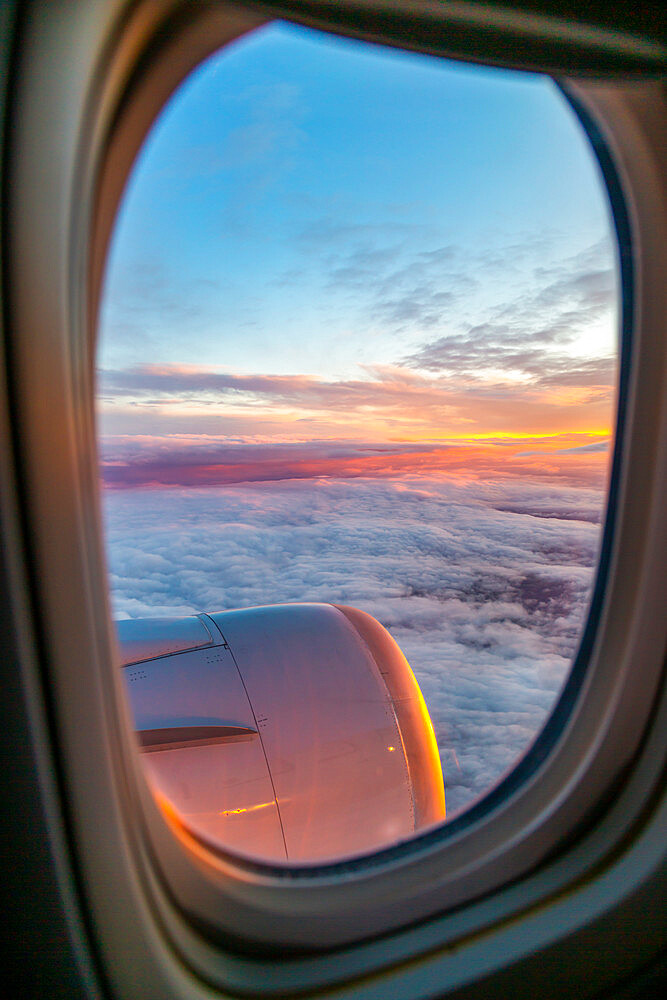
pixel 408 402
pixel 401 288
pixel 531 335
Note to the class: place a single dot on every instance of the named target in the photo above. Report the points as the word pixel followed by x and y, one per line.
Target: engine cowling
pixel 293 732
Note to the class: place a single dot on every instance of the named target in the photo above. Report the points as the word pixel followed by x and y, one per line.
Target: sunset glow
pixel 285 273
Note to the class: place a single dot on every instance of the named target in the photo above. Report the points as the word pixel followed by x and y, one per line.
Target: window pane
pixel 358 349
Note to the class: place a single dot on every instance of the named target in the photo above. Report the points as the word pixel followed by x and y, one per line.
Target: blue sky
pixel 303 200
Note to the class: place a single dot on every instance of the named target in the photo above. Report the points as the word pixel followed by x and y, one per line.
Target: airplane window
pixel 356 391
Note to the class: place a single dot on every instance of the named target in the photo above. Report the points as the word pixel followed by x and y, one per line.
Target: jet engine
pixel 294 732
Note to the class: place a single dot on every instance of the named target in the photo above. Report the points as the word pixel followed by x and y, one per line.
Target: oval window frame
pixel 609 718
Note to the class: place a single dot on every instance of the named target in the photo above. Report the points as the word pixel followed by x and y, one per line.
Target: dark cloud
pixel 484 586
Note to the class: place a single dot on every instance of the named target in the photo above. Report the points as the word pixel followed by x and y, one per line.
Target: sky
pixel 358 343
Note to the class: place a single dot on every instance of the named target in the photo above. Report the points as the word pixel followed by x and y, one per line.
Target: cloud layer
pixel 142 460
pixel 484 585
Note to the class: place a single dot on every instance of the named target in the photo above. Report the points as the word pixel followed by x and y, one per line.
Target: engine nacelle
pixel 294 732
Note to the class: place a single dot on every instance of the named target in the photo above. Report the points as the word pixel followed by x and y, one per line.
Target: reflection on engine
pixel 293 732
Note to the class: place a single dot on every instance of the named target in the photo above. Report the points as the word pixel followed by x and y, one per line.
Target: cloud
pixel 530 335
pixel 596 447
pixel 480 307
pixel 200 460
pixel 403 287
pixel 484 585
pixel 402 274
pixel 540 361
pixel 401 400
